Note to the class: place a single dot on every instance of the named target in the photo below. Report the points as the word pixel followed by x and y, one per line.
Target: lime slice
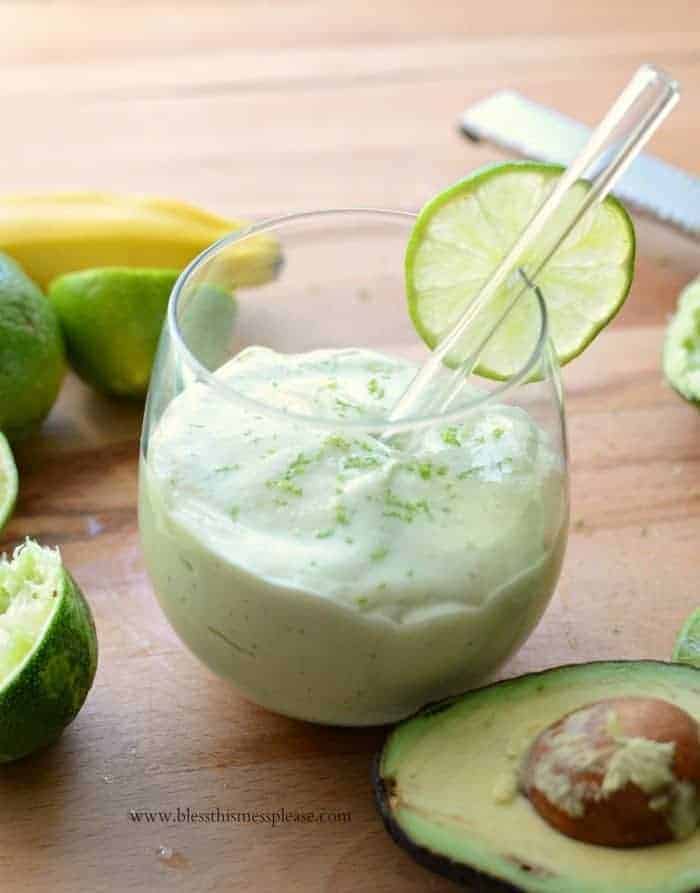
pixel 8 481
pixel 687 649
pixel 462 234
pixel 681 357
pixel 48 650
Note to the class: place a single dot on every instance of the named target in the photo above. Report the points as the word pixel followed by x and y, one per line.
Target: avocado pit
pixel 622 772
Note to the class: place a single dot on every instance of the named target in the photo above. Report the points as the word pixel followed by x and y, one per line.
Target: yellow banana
pixel 54 234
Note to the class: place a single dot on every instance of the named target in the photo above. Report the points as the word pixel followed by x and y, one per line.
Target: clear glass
pixel 335 567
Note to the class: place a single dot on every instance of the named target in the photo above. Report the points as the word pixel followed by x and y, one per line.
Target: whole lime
pixel 48 656
pixel 111 319
pixel 32 360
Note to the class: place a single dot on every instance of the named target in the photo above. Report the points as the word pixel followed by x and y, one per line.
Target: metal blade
pixel 526 128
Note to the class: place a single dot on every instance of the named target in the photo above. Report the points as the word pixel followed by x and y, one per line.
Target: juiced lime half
pixel 8 481
pixel 687 650
pixel 48 650
pixel 462 234
pixel 681 358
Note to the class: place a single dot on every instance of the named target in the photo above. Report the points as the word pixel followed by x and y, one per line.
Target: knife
pixel 510 120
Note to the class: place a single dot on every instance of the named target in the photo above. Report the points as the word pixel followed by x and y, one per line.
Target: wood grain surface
pixel 257 108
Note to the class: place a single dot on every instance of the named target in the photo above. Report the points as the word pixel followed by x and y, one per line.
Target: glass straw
pixel 620 136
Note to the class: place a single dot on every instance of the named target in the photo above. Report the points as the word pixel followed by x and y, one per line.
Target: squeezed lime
pixel 48 650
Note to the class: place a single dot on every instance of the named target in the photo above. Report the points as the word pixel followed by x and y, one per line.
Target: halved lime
pixel 8 481
pixel 462 234
pixel 681 357
pixel 687 649
pixel 48 650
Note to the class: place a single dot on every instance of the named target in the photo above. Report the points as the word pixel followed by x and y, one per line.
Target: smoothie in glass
pixel 333 574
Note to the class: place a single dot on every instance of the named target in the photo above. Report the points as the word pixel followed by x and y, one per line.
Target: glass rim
pixel 409 422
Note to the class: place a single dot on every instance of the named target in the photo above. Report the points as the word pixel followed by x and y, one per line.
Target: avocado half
pixel 446 787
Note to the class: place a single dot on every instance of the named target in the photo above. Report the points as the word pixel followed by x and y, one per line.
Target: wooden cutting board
pixel 246 108
pixel 160 733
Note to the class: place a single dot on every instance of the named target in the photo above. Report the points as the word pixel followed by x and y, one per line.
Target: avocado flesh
pixel 444 779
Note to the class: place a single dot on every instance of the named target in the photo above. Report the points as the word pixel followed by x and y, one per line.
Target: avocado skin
pixel 473 879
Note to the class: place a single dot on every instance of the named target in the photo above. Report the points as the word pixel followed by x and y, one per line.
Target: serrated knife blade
pixel 527 128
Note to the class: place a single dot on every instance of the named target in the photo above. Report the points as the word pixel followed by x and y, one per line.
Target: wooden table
pixel 252 109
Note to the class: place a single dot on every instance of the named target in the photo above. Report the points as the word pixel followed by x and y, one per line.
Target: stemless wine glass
pixel 337 567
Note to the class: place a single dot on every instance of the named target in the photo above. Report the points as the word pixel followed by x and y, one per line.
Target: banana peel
pixel 49 235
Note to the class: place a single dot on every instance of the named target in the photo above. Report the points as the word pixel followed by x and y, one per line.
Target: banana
pixel 49 235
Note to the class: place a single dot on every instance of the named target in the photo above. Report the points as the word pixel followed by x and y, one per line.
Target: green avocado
pixel 446 787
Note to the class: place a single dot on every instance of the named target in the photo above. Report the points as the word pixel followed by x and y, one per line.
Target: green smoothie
pixel 332 574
